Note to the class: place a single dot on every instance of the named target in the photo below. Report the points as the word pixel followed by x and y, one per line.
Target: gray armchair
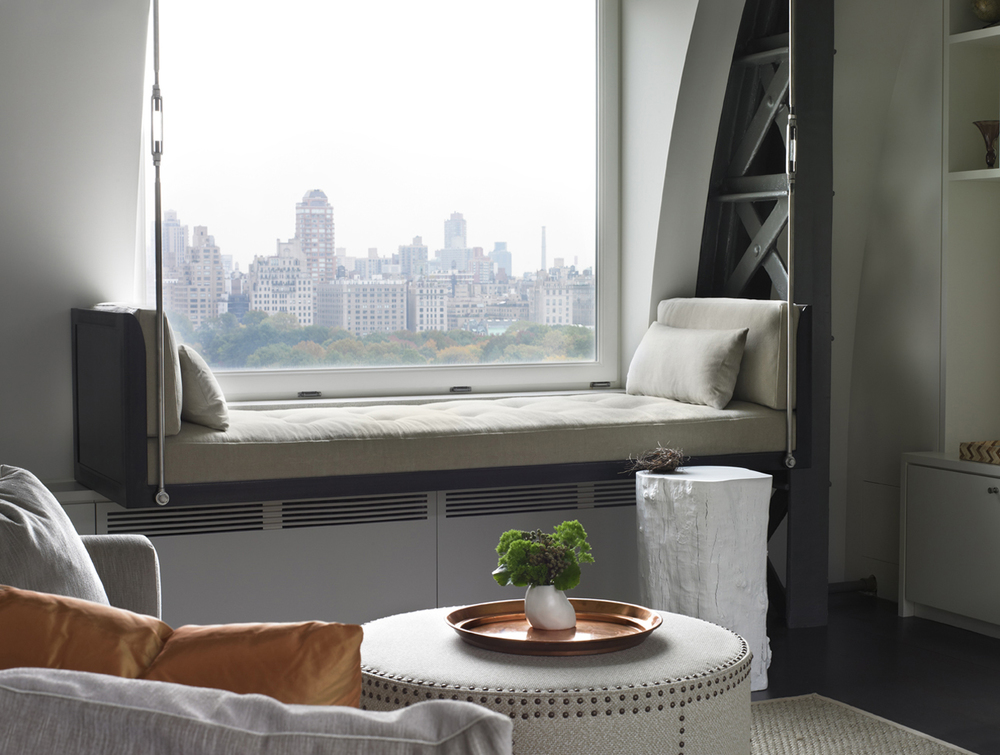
pixel 129 569
pixel 93 714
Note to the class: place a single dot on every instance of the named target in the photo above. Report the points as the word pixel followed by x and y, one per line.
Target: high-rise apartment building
pixel 362 306
pixel 454 232
pixel 551 302
pixel 239 294
pixel 370 266
pixel 582 291
pixel 283 283
pixel 174 241
pixel 448 261
pixel 197 287
pixel 413 259
pixel 507 310
pixel 428 303
pixel 480 266
pixel 502 258
pixel 314 232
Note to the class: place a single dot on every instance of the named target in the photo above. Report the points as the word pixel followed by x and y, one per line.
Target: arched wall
pixel 669 128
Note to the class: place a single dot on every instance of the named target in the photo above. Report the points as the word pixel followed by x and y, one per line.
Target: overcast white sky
pixel 402 111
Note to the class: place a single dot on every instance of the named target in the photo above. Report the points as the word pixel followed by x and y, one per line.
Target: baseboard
pixel 956 620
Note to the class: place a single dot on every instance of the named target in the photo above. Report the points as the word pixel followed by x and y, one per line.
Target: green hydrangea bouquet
pixel 533 559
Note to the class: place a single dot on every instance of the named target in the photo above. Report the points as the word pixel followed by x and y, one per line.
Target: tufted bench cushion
pixel 460 434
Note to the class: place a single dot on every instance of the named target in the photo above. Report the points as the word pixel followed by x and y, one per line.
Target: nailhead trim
pixel 379 693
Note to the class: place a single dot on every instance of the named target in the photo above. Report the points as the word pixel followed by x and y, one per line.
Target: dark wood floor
pixel 929 676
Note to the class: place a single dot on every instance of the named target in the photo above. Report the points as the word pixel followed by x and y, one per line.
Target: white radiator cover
pixel 355 559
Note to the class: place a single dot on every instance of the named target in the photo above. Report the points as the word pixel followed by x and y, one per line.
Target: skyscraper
pixel 454 232
pixel 282 284
pixel 502 257
pixel 197 286
pixel 174 241
pixel 413 258
pixel 544 264
pixel 314 232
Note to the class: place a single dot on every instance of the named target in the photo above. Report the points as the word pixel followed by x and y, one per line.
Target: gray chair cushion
pixel 39 548
pixel 94 714
pixel 129 570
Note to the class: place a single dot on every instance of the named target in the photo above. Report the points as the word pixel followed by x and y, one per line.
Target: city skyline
pixel 367 101
pixel 456 288
pixel 173 250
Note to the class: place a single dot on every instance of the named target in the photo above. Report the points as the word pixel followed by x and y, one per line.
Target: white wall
pixel 886 272
pixel 70 107
pixel 667 151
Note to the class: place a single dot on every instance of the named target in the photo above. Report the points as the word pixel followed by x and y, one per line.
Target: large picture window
pixel 392 197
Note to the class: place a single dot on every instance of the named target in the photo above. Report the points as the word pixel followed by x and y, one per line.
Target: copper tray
pixel 602 626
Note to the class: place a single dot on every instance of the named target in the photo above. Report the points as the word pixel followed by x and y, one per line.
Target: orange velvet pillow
pixel 52 631
pixel 311 663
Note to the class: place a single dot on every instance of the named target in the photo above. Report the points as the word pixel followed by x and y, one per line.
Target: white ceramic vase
pixel 545 607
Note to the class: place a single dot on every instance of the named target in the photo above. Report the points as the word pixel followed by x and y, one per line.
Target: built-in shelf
pixel 989 37
pixel 986 174
pixel 971 226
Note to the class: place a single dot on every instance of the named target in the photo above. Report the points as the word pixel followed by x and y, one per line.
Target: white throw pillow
pixel 691 365
pixel 202 400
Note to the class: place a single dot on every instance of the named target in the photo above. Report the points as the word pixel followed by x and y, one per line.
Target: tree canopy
pixel 258 341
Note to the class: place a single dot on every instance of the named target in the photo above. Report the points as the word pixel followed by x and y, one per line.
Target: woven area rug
pixel 815 725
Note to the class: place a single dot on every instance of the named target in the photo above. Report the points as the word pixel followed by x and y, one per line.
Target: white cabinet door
pixel 953 542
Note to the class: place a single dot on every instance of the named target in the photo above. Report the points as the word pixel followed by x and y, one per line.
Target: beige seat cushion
pixel 460 434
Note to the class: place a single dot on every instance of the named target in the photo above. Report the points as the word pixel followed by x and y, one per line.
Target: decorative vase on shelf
pixel 987 10
pixel 990 130
pixel 547 608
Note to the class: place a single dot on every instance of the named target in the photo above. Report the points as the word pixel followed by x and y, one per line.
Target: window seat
pixel 460 434
pixel 311 452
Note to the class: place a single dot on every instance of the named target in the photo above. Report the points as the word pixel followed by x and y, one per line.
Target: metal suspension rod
pixel 156 144
pixel 791 136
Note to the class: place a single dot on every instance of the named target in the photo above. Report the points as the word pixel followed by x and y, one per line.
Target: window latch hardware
pixel 461 389
pixel 310 394
pixel 601 384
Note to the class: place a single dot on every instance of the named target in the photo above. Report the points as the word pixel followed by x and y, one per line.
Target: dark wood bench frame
pixel 110 443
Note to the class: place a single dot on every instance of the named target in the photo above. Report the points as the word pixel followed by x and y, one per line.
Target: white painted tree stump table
pixel 702 543
pixel 683 691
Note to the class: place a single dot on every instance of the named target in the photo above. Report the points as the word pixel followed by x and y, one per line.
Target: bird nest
pixel 659 461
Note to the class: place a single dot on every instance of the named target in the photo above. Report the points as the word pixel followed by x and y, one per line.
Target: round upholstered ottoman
pixel 684 691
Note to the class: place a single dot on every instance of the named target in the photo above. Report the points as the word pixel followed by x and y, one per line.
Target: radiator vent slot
pixel 275 515
pixel 365 510
pixel 566 497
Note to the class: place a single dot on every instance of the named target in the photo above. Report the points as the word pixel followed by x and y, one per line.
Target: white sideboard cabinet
pixel 950 541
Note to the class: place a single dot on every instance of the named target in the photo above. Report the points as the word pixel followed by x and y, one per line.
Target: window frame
pixel 436 380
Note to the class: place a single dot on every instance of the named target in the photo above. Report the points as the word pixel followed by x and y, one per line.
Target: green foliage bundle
pixel 536 558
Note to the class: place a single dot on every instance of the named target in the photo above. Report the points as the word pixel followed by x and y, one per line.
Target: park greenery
pixel 538 558
pixel 262 341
